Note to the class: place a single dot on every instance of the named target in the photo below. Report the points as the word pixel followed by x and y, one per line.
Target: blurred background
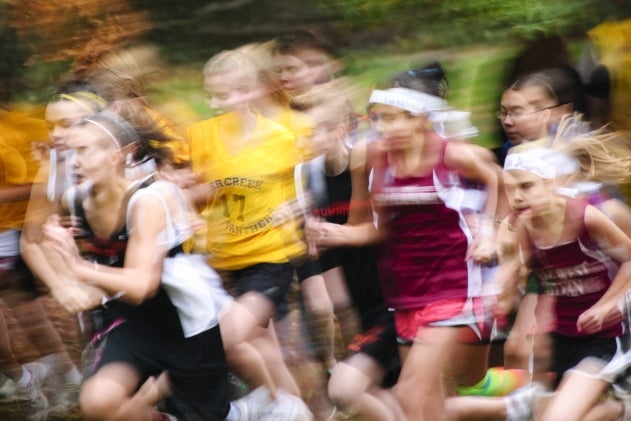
pixel 482 43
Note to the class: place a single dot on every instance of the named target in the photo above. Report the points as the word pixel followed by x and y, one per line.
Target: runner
pixel 130 233
pixel 416 175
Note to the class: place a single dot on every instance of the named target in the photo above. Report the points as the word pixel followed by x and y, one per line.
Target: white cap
pixel 408 99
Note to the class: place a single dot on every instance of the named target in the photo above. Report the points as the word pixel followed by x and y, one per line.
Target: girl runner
pixel 425 256
pixel 132 232
pixel 246 163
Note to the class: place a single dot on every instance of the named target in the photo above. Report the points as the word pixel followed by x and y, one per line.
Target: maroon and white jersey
pixel 577 273
pixel 423 259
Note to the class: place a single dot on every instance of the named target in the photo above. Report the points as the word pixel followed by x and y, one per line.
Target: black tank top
pixel 155 316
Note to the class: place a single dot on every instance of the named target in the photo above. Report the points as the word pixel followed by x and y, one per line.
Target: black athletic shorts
pixel 569 351
pixel 196 367
pixel 379 341
pixel 307 269
pixel 270 279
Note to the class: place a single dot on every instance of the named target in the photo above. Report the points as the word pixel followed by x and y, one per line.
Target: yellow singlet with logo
pixel 245 189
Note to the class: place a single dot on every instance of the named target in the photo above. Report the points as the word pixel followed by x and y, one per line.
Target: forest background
pixel 476 40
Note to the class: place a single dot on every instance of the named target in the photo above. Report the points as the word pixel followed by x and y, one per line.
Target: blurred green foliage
pixel 441 23
pixel 476 41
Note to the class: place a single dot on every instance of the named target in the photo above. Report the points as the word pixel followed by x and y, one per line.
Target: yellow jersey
pixel 18 166
pixel 245 190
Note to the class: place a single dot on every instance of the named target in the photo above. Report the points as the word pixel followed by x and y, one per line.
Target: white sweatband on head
pixel 109 134
pixel 562 163
pixel 530 160
pixel 545 162
pixel 408 99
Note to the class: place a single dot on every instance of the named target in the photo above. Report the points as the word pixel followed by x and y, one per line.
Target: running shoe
pixel 251 407
pixel 61 389
pixel 33 400
pixel 520 404
pixel 8 391
pixel 287 407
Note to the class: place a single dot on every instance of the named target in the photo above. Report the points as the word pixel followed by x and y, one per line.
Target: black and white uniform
pixel 177 329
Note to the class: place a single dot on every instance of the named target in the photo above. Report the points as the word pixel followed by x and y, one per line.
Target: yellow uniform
pixel 613 42
pixel 18 167
pixel 245 190
pixel 301 126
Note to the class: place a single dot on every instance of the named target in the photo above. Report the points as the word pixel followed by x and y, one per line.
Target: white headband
pixel 543 162
pixel 408 99
pixel 109 133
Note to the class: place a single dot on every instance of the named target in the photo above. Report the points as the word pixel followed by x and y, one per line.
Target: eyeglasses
pixel 516 115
